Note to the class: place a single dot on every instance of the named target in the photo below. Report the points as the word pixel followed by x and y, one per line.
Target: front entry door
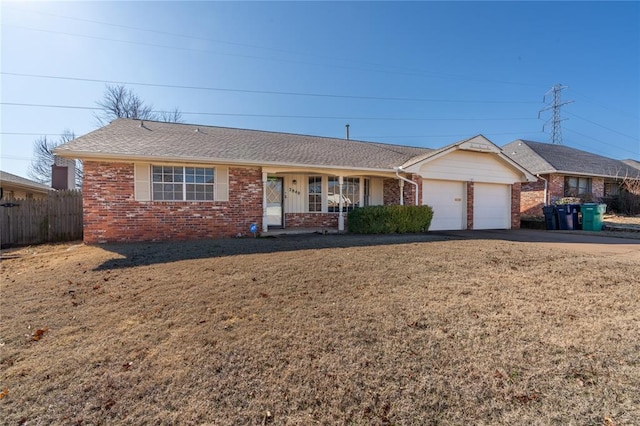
pixel 274 201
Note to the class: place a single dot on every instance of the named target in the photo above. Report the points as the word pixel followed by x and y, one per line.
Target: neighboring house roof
pixel 545 158
pixel 146 140
pixel 8 180
pixel 632 163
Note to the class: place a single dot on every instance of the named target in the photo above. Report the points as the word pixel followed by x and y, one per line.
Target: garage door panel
pixel 447 198
pixel 492 206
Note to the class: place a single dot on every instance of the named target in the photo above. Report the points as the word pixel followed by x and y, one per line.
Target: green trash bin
pixel 599 222
pixel 592 216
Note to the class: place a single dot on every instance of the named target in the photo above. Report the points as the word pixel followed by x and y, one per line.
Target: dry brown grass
pixel 383 330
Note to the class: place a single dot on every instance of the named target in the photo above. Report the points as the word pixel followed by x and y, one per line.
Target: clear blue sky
pixel 460 68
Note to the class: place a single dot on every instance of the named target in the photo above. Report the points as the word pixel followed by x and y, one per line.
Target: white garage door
pixel 448 200
pixel 491 206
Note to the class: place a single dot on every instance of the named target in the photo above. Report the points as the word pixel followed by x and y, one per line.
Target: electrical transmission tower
pixel 554 106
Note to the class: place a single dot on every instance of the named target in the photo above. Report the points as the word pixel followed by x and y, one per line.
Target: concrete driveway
pixel 581 241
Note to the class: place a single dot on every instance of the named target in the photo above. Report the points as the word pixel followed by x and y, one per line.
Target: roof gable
pixel 479 144
pixel 544 158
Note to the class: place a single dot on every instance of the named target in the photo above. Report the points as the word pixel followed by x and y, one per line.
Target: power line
pixel 601 141
pixel 253 46
pixel 604 106
pixel 266 92
pixel 275 115
pixel 32 134
pixel 604 127
pixel 386 66
pixel 441 136
pixel 359 68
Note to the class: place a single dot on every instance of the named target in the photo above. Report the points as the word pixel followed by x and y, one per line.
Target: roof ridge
pixel 270 131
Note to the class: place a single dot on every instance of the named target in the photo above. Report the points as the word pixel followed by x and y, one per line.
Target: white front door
pixel 448 201
pixel 491 206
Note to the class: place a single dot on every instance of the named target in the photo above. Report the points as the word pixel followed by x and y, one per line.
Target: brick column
pixel 515 205
pixel 470 205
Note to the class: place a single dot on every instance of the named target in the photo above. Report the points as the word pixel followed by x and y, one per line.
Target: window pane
pixel 199 183
pixel 315 193
pixel 171 183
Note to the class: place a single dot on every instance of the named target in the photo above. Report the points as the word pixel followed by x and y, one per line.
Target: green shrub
pixel 389 219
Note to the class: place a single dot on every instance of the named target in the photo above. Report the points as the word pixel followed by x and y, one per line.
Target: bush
pixel 389 219
pixel 624 203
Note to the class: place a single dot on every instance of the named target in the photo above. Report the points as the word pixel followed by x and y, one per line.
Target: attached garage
pixel 492 206
pixel 469 185
pixel 448 200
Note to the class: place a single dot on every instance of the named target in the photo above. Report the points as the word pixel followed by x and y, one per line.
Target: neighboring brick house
pixel 566 172
pixel 16 187
pixel 157 181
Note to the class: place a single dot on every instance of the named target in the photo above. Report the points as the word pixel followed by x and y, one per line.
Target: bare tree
pixel 43 158
pixel 120 102
pixel 173 116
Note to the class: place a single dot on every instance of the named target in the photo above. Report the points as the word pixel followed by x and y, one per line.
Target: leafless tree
pixel 43 158
pixel 173 116
pixel 121 102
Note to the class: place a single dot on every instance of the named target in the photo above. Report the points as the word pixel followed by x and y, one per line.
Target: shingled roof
pixel 21 182
pixel 152 140
pixel 544 158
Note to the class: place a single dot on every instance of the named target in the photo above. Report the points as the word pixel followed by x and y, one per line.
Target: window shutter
pixel 142 179
pixel 222 183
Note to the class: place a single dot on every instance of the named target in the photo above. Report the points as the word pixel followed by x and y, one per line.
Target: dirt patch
pixel 319 329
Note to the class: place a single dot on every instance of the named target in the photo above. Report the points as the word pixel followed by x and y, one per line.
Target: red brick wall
pixel 532 194
pixel 391 191
pixel 111 213
pixel 532 198
pixel 313 220
pixel 417 179
pixel 470 198
pixel 556 187
pixel 516 190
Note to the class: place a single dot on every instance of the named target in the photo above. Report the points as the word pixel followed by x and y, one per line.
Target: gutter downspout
pixel 415 184
pixel 546 183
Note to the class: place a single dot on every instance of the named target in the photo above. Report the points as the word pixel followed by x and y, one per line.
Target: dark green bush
pixel 389 219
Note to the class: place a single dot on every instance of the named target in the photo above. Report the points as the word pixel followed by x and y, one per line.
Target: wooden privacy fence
pixel 34 221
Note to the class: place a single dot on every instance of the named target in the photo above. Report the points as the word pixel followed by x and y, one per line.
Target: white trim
pixel 265 225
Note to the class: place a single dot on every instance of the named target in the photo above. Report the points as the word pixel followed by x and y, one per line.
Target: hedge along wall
pixel 390 219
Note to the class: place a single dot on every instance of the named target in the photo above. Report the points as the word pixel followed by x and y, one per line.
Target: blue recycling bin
pixel 562 211
pixel 550 218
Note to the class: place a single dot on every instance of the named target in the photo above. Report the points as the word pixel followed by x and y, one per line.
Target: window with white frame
pixel 315 193
pixel 350 194
pixel 181 183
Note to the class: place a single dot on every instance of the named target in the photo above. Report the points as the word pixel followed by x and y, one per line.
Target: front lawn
pixel 411 330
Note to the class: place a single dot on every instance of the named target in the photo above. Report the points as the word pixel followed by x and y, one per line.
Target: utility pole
pixel 554 106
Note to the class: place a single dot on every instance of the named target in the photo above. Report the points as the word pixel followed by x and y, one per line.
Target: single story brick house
pixel 16 187
pixel 566 172
pixel 146 180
